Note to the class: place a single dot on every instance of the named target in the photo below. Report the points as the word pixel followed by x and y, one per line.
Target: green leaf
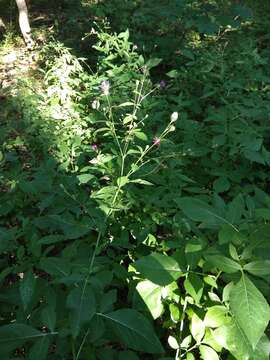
pixel 107 301
pixel 173 74
pixel 194 287
pixel 15 335
pixel 193 252
pixel 229 234
pixel 27 288
pixel 262 351
pixel 216 316
pixel 232 338
pixel 173 343
pixel 208 353
pixel 153 62
pixel 82 303
pixel 158 268
pixel 48 316
pixel 55 266
pixel 186 342
pixel 221 185
pixel 18 332
pixel 174 312
pixel 197 328
pixel 134 330
pixel 210 341
pixel 250 309
pixel 66 223
pixel 223 263
pixel 140 135
pixel 121 181
pixel 141 181
pixel 85 178
pixel 151 295
pixel 198 210
pixel 51 239
pixel 258 268
pixel 40 349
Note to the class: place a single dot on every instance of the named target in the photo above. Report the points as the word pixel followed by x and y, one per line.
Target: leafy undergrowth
pixel 135 207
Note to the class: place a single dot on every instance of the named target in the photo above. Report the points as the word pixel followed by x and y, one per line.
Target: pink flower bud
pixel 156 141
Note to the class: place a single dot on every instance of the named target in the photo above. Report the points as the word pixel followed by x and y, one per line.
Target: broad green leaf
pixel 96 328
pixel 14 335
pixel 153 62
pixel 235 209
pixel 250 309
pixel 158 268
pixel 193 252
pixel 221 185
pixel 40 349
pixel 209 340
pixel 232 338
pixel 194 287
pixel 226 291
pixel 262 351
pixel 18 332
pixel 48 316
pixel 82 303
pixel 197 328
pixel 66 223
pixel 262 214
pixel 233 252
pixel 121 181
pixel 229 234
pixel 107 301
pixel 51 239
pixel 140 135
pixel 55 266
pixel 174 312
pixel 173 74
pixel 258 268
pixel 186 342
pixel 85 178
pixel 223 263
pixel 198 210
pixel 151 295
pixel 210 280
pixel 27 288
pixel 208 353
pixel 134 330
pixel 216 316
pixel 173 343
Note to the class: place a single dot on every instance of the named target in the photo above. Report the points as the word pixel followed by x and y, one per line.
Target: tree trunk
pixel 24 23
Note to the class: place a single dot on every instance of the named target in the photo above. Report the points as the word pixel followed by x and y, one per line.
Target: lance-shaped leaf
pixel 82 303
pixel 134 330
pixel 250 309
pixel 158 268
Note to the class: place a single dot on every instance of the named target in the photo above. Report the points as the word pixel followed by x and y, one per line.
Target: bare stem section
pixel 24 23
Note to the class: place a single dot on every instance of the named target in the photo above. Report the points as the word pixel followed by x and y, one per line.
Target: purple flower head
pixel 105 87
pixel 162 84
pixel 95 147
pixel 156 141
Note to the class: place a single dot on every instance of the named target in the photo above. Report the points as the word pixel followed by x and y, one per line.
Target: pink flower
pixel 95 147
pixel 156 141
